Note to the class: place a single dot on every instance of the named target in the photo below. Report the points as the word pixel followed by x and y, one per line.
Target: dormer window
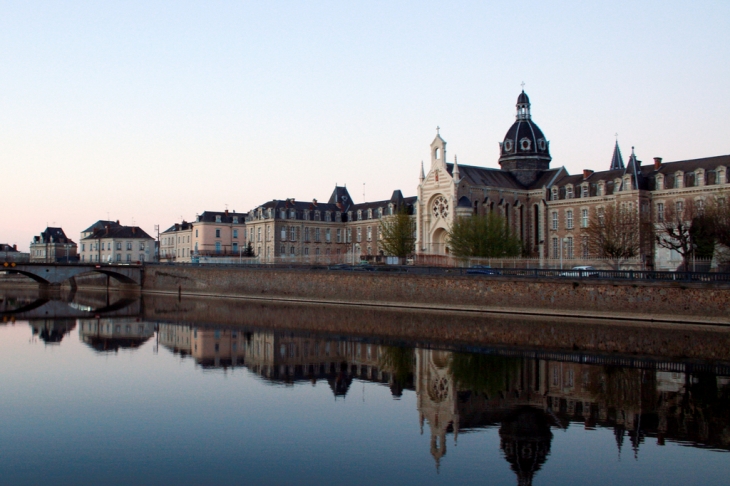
pixel 721 177
pixel 359 215
pixel 659 182
pixel 554 196
pixel 370 214
pixel 305 215
pixel 218 218
pixel 568 192
pixel 338 216
pixel 316 215
pixel 507 145
pixel 525 144
pixel 584 190
pixel 678 179
pixel 292 214
pixel 380 213
pixel 600 189
pixel 699 177
pixel 328 216
pixel 235 220
pixel 542 144
pixel 627 183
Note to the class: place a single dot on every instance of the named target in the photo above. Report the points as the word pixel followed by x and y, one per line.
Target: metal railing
pixel 485 272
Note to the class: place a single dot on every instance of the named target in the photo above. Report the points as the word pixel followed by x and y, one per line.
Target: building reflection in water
pixel 461 393
pixel 113 334
pixel 52 331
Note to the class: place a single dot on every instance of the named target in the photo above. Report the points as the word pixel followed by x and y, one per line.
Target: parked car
pixel 482 270
pixel 581 271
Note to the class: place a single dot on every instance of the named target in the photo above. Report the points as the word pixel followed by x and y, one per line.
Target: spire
pixel 633 168
pixel 422 177
pixel 456 174
pixel 617 162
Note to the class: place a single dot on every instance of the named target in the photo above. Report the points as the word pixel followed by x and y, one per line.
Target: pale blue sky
pixel 153 111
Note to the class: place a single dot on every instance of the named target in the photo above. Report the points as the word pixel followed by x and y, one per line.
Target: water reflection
pixel 525 395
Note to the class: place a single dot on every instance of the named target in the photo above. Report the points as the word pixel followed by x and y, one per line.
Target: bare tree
pixel 615 233
pixel 674 229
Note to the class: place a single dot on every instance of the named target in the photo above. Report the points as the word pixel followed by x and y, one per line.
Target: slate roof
pixel 617 161
pixel 226 217
pixel 8 248
pixel 127 232
pixel 52 235
pixel 486 177
pixel 178 227
pixel 100 225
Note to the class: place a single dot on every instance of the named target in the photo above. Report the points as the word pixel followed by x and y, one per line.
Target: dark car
pixel 482 270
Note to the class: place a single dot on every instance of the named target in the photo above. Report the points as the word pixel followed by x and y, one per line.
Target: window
pixel 359 215
pixel 584 191
pixel 569 219
pixel 292 251
pixel 282 251
pixel 283 233
pixel 584 218
pixel 599 211
pixel 235 220
pixel 129 245
pixel 359 235
pixel 316 215
pixel 584 246
pixel 599 190
pixel 370 233
pixel 235 233
pixel 568 192
pixel 141 257
pixel 380 213
pixel 339 235
pixel 282 214
pixel 218 218
pixel 569 247
pixel 196 233
pixel 316 251
pixel 555 194
pixel 679 205
pixel 305 215
pixel 660 213
pixel 306 233
pixel 235 248
pixel 370 214
pixel 250 234
pixel 119 257
pixel 349 235
pixel 306 251
pixel 292 233
pixel 555 220
pixel 258 235
pixel 327 235
pixel 217 246
pixel 316 235
pixel 141 245
pixel 129 257
pixel 119 245
pixel 328 216
pixel 268 233
pixel 292 214
pixel 556 248
pixel 217 233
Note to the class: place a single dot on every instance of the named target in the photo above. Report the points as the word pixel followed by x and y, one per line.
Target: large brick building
pixel 549 208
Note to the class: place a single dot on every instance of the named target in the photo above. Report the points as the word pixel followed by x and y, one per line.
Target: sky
pixel 151 112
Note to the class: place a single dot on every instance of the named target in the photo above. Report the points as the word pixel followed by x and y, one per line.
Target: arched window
pixel 436 153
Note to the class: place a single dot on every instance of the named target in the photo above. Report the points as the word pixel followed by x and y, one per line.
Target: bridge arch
pixel 55 274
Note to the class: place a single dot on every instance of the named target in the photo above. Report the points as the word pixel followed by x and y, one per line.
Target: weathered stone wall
pixel 433 327
pixel 670 301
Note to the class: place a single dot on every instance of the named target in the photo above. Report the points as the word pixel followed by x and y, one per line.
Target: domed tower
pixel 524 152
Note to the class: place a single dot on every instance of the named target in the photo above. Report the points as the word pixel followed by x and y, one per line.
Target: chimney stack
pixel 587 173
pixel 15 247
pixel 134 230
pixel 657 163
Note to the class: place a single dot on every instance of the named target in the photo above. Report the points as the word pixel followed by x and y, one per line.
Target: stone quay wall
pixel 613 299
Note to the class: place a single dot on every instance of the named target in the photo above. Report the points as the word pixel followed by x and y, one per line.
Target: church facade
pixel 548 208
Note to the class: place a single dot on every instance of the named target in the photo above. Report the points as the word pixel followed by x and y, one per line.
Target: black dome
pixel 523 98
pixel 524 138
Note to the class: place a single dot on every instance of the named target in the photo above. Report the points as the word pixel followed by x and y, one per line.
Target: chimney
pixel 106 227
pixel 314 201
pixel 15 247
pixel 657 163
pixel 117 221
pixel 587 173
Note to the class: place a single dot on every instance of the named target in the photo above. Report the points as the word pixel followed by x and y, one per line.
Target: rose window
pixel 440 207
pixel 439 390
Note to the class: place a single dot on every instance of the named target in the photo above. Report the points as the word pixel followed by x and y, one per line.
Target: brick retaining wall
pixel 691 302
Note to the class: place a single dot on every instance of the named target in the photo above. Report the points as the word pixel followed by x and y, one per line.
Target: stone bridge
pixel 44 308
pixel 54 274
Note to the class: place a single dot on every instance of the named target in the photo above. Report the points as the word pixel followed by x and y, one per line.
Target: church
pixel 547 207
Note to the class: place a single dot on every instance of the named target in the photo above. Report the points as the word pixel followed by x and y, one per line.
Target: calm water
pixel 90 399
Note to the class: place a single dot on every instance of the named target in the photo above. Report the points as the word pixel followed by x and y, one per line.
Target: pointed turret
pixel 633 168
pixel 617 162
pixel 455 173
pixel 422 177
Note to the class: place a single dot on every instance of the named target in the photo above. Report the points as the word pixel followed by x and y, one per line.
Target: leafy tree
pixel 400 362
pixel 398 234
pixel 614 233
pixel 486 236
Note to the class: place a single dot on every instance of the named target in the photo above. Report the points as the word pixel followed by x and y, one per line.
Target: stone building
pixel 214 235
pixel 337 231
pixel 10 254
pixel 549 208
pixel 52 246
pixel 111 242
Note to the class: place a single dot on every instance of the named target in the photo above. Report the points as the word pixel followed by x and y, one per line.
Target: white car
pixel 581 271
